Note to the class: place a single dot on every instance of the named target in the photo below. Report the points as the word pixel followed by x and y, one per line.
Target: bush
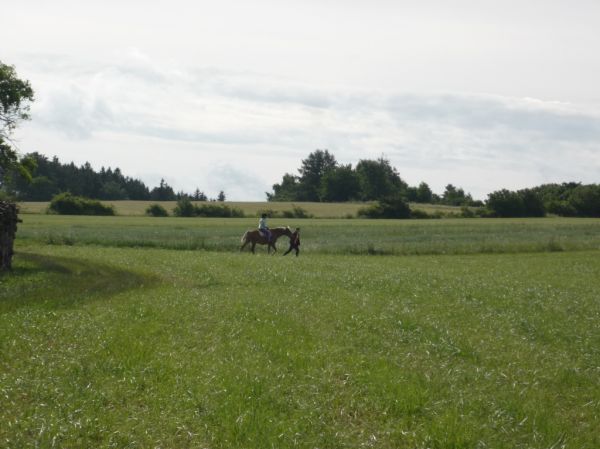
pixel 585 200
pixel 484 212
pixel 420 214
pixel 467 212
pixel 156 210
pixel 218 210
pixel 67 204
pixel 184 208
pixel 296 212
pixel 562 208
pixel 392 207
pixel 522 203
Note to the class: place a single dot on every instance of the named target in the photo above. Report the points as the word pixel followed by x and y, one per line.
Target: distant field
pixel 334 236
pixel 150 348
pixel 319 210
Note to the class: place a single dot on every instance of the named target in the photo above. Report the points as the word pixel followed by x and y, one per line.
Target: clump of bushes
pixel 68 204
pixel 185 208
pixel 218 210
pixel 421 214
pixel 391 207
pixel 296 212
pixel 522 203
pixel 585 200
pixel 156 210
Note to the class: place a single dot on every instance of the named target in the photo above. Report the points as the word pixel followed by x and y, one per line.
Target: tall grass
pixel 390 237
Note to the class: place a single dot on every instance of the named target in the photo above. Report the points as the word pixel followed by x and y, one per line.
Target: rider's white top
pixel 262 223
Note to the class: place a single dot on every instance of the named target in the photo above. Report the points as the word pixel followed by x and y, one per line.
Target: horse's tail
pixel 244 237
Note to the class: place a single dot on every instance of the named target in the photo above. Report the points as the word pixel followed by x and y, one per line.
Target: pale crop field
pixel 251 209
pixel 109 342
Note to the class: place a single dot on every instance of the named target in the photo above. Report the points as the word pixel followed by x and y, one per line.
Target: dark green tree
pixel 313 169
pixel 522 203
pixel 340 184
pixel 112 190
pixel 221 196
pixel 585 200
pixel 15 98
pixel 288 190
pixel 454 196
pixel 199 196
pixel 41 188
pixel 378 179
pixel 424 194
pixel 164 192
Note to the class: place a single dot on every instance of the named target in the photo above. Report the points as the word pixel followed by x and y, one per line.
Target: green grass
pixel 391 237
pixel 251 209
pixel 141 347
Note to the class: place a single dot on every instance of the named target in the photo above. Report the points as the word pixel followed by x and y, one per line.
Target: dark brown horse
pixel 255 236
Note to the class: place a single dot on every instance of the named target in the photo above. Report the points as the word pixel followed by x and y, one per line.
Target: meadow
pixel 333 236
pixel 156 332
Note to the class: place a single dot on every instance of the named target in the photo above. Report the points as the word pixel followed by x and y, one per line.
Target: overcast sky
pixel 231 94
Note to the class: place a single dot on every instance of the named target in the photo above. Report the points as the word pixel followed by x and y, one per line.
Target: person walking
pixel 294 242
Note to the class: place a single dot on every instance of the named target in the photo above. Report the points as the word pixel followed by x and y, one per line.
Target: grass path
pixel 105 347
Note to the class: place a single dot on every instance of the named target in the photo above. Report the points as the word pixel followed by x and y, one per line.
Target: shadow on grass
pixel 57 282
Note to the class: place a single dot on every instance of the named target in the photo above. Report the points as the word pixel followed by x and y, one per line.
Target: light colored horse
pixel 254 236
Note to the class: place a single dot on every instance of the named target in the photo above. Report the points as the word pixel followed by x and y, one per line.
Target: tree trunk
pixel 8 229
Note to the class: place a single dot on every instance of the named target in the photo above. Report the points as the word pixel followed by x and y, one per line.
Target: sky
pixel 231 95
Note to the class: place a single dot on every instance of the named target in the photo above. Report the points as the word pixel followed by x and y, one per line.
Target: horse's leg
pixel 253 245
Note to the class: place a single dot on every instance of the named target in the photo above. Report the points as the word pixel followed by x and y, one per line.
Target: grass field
pixel 251 209
pixel 393 237
pixel 113 333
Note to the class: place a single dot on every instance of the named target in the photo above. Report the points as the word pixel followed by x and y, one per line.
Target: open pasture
pixel 109 342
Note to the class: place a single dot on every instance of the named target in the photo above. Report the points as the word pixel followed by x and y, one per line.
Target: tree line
pixel 50 177
pixel 571 199
pixel 322 179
